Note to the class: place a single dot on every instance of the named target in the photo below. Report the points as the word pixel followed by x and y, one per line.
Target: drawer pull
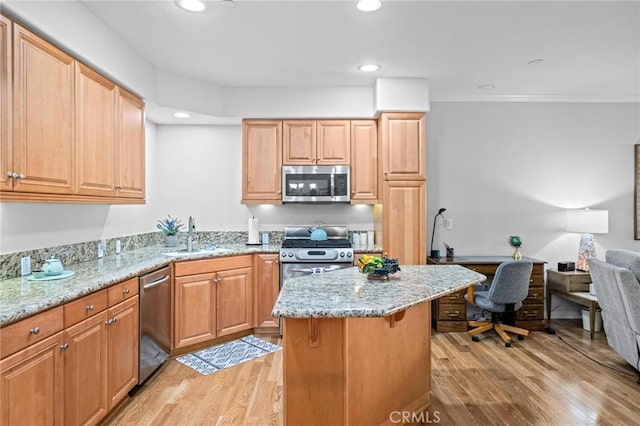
pixel 35 330
pixel 89 307
pixel 453 314
pixel 111 321
pixel 454 296
pixel 533 296
pixel 125 291
pixel 531 314
pixel 64 347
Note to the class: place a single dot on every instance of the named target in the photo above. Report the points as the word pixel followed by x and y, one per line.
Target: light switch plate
pixel 25 266
pixel 449 224
pixel 118 247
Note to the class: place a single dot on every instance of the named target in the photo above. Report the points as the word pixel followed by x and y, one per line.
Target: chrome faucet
pixel 190 231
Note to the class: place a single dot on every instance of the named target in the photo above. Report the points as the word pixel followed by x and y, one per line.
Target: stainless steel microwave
pixel 315 184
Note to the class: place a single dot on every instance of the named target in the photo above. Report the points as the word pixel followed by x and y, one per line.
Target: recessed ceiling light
pixel 369 67
pixel 487 86
pixel 191 5
pixel 539 61
pixel 181 115
pixel 368 5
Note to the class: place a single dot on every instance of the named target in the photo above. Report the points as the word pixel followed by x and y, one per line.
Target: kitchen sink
pixel 184 252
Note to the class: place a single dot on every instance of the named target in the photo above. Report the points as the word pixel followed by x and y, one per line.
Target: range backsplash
pixel 70 254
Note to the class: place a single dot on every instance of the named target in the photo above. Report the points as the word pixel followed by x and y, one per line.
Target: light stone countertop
pixel 347 293
pixel 21 298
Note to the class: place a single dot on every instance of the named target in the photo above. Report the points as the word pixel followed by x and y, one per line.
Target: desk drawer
pixel 532 325
pixel 445 326
pixel 535 296
pixel 85 307
pixel 454 298
pixel 452 312
pixel 487 270
pixel 528 312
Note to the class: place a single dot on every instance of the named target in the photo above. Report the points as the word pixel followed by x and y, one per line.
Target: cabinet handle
pixel 21 176
pixel 454 296
pixel 10 174
pixel 64 346
pixel 35 330
pixel 533 296
pixel 125 291
pixel 89 307
pixel 353 192
pixel 385 172
pixel 453 314
pixel 531 314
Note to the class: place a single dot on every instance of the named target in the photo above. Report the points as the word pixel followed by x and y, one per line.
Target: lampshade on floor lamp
pixel 587 222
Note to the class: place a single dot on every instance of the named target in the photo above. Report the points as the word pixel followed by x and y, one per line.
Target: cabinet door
pixel 39 366
pixel 261 161
pixel 403 146
pixel 85 371
pixel 44 107
pixel 195 305
pixel 122 371
pixel 268 287
pixel 234 297
pixel 6 105
pixel 333 142
pixel 403 222
pixel 364 162
pixel 130 140
pixel 299 142
pixel 95 133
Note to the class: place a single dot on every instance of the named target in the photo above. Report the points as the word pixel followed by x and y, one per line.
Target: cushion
pixel 625 259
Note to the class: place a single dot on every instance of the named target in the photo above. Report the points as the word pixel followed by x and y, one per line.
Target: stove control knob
pixel 290 254
pixel 283 254
pixel 342 254
pixel 349 254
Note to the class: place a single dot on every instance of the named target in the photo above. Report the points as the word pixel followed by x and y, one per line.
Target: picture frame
pixel 636 217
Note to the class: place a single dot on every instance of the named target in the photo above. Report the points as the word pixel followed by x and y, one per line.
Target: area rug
pixel 228 354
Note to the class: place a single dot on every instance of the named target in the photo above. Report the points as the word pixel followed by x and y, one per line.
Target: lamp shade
pixel 588 221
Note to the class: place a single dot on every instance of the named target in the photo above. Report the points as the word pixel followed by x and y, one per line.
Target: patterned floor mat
pixel 228 354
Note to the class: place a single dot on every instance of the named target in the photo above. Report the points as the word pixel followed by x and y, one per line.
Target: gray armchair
pixel 617 284
pixel 509 288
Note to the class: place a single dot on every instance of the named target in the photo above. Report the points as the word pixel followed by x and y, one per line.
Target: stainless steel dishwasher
pixel 155 321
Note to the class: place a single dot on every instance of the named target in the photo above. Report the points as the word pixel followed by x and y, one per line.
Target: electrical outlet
pixel 25 266
pixel 118 247
pixel 449 224
pixel 101 246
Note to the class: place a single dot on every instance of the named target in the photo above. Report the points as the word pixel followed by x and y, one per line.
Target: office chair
pixel 509 288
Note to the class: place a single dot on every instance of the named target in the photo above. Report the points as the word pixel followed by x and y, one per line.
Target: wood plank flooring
pixel 562 379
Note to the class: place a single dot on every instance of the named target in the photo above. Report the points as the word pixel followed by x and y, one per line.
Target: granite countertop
pixel 348 293
pixel 21 298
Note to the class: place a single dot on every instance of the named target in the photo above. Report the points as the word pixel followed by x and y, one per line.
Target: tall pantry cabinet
pixel 400 220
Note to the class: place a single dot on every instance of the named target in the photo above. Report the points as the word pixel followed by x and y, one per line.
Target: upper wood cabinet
pixel 6 104
pixel 130 161
pixel 68 133
pixel 95 132
pixel 261 161
pixel 43 149
pixel 325 142
pixel 364 162
pixel 403 155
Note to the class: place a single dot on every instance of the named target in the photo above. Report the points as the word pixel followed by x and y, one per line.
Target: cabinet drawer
pixel 204 266
pixel 533 325
pixel 451 312
pixel 487 270
pixel 530 312
pixel 30 330
pixel 444 326
pixel 85 307
pixel 535 296
pixel 456 298
pixel 537 280
pixel 122 291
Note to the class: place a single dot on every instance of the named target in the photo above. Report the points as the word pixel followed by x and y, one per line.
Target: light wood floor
pixel 543 380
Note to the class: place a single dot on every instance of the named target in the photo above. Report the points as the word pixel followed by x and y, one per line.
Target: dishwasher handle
pixel 155 283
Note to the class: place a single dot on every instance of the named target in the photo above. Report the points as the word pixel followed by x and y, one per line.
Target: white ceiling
pixel 591 50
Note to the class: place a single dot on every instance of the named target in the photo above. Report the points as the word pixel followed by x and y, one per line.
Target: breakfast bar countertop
pixel 347 293
pixel 21 298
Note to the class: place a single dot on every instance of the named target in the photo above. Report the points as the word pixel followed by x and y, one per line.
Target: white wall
pixel 504 169
pixel 25 226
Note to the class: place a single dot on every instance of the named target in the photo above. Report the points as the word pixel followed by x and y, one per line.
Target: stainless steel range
pixel 300 255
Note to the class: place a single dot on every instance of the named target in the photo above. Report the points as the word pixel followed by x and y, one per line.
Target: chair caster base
pixel 475 338
pixel 520 337
pixel 508 345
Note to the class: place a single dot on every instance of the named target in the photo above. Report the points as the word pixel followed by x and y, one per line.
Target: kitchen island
pixel 358 351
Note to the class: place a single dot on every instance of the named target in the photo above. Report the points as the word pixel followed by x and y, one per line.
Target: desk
pixel 573 286
pixel 449 313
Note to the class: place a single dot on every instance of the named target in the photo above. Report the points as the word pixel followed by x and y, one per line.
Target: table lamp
pixel 587 222
pixel 436 253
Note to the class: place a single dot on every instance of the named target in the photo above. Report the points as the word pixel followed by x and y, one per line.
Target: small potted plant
pixel 170 228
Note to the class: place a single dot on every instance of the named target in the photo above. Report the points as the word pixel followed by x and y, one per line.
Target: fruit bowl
pixel 376 267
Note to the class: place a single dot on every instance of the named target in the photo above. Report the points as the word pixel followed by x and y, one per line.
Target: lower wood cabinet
pixel 79 373
pixel 213 298
pixel 267 289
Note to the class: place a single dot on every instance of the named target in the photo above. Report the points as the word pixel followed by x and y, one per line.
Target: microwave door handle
pixel 333 185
